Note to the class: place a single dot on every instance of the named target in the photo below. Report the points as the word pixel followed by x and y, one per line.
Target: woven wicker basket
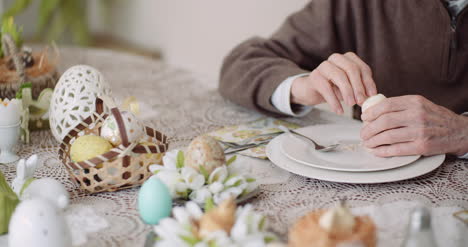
pixel 122 167
pixel 43 74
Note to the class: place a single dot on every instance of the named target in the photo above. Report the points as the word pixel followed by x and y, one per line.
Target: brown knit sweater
pixel 413 47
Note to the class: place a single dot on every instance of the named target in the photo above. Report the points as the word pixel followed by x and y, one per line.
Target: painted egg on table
pixel 205 151
pixel 371 101
pixel 74 98
pixel 38 222
pixel 154 201
pixel 133 128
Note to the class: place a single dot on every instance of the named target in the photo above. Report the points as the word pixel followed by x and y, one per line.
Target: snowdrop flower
pixel 218 175
pixel 226 194
pixel 170 159
pixel 194 210
pixel 171 179
pixel 221 238
pixel 182 215
pixel 171 230
pixel 236 181
pixel 156 168
pixel 216 187
pixel 192 178
pixel 200 196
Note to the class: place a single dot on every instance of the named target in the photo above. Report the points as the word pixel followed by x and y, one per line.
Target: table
pixel 184 105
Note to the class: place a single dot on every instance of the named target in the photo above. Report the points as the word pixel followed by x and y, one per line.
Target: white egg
pixel 133 128
pixel 205 151
pixel 38 222
pixel 371 101
pixel 47 188
pixel 74 98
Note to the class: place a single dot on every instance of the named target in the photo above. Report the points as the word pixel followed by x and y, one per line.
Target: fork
pixel 317 146
pixel 248 140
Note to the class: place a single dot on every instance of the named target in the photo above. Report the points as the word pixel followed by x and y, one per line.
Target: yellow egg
pixel 88 146
pixel 205 151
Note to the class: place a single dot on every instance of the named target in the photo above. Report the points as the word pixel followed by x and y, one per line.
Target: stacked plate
pixel 349 163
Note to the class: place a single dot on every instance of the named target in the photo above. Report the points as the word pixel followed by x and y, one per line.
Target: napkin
pixel 237 133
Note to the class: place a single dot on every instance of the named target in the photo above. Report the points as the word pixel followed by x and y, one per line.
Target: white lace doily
pixel 183 106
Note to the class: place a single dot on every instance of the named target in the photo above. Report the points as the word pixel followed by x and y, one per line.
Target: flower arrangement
pixel 200 186
pixel 223 226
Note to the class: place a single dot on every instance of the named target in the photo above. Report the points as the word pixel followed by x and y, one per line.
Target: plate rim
pixel 416 157
pixel 356 177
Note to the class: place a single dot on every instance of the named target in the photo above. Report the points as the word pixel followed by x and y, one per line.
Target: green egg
pixel 154 201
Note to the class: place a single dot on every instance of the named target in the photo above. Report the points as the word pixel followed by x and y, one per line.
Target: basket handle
pixel 10 49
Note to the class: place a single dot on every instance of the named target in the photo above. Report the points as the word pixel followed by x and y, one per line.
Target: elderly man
pixel 414 52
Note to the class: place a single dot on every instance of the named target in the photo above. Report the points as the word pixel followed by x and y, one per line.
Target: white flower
pixel 236 181
pixel 194 210
pixel 171 179
pixel 200 196
pixel 156 168
pixel 192 178
pixel 216 187
pixel 170 229
pixel 170 159
pixel 226 194
pixel 218 175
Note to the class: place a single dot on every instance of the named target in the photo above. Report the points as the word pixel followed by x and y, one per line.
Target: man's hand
pixel 413 125
pixel 341 77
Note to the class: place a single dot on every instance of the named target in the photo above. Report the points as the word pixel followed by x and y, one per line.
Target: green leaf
pixel 269 239
pixel 180 159
pixel 250 180
pixel 262 223
pixel 204 172
pixel 229 177
pixel 46 10
pixel 19 93
pixel 191 240
pixel 230 160
pixel 17 7
pixel 209 204
pixel 9 27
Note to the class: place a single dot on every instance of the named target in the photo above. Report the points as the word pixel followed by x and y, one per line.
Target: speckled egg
pixel 154 201
pixel 74 98
pixel 205 151
pixel 133 127
pixel 38 222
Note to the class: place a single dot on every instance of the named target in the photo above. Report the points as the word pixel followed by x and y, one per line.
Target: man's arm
pixel 253 70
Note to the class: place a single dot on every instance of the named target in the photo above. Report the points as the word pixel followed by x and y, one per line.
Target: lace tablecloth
pixel 184 105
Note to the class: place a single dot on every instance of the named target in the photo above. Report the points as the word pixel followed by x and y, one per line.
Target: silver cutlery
pixel 246 146
pixel 249 140
pixel 317 146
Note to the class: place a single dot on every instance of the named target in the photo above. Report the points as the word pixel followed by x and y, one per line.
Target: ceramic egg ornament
pixel 87 147
pixel 74 98
pixel 205 151
pixel 133 128
pixel 47 188
pixel 154 201
pixel 38 222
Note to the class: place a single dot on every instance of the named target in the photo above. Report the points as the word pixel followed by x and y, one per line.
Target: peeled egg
pixel 38 222
pixel 74 98
pixel 205 151
pixel 154 201
pixel 88 146
pixel 371 101
pixel 134 129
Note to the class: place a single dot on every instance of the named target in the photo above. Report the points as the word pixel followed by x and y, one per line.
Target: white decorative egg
pixel 47 188
pixel 371 101
pixel 133 128
pixel 74 98
pixel 38 222
pixel 205 151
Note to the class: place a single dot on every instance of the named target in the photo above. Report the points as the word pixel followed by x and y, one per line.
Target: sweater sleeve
pixel 254 69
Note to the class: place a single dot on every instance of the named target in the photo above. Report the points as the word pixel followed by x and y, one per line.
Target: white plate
pixel 351 156
pixel 418 168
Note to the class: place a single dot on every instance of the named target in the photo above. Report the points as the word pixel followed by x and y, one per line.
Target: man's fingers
pixel 391 136
pixel 398 149
pixel 337 93
pixel 338 77
pixel 366 73
pixel 353 73
pixel 386 106
pixel 325 88
pixel 388 121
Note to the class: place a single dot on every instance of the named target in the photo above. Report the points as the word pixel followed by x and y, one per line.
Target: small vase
pixel 9 136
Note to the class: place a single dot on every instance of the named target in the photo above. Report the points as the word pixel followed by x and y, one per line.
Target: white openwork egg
pixel 74 98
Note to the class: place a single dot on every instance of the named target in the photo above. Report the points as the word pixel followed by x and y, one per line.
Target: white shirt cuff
pixel 466 155
pixel 281 99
